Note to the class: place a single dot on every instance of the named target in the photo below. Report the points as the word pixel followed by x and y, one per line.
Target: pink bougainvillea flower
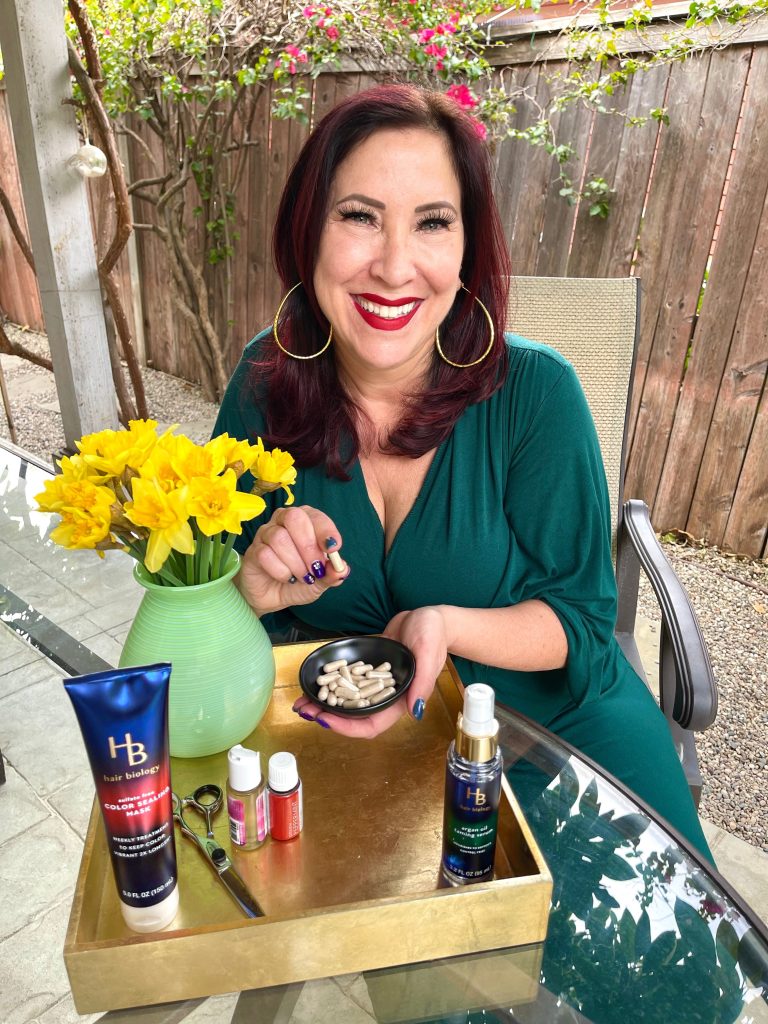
pixel 426 34
pixel 332 32
pixel 434 50
pixel 462 95
pixel 480 130
pixel 292 67
pixel 292 50
pixel 308 12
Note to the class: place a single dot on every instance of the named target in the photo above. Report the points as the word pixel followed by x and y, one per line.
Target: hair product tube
pixel 123 716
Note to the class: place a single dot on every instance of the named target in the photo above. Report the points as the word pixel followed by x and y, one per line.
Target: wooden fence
pixel 691 207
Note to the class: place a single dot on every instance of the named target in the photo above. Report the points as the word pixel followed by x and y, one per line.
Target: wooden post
pixel 35 55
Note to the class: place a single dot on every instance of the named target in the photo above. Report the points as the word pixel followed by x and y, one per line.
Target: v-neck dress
pixel 514 506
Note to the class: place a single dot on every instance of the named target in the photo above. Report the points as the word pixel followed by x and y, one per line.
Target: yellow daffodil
pixel 166 518
pixel 218 506
pixel 159 466
pixel 272 470
pixel 111 451
pixel 77 529
pixel 63 493
pixel 190 460
pixel 238 455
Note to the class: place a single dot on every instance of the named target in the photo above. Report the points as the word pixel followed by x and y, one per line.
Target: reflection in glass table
pixel 640 928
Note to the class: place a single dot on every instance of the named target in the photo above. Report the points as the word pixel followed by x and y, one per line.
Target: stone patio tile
pixel 324 1000
pixel 74 802
pixel 118 611
pixel 35 983
pixel 20 678
pixel 20 807
pixel 743 865
pixel 38 871
pixel 106 647
pixel 214 1010
pixel 14 652
pixel 40 735
pixel 64 1012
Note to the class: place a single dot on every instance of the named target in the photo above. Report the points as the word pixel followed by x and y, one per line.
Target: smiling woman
pixel 452 472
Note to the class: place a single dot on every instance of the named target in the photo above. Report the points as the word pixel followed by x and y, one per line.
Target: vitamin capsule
pixel 322 693
pixel 347 693
pixel 378 675
pixel 345 673
pixel 377 698
pixel 334 666
pixel 355 665
pixel 383 667
pixel 329 677
pixel 360 669
pixel 374 687
pixel 331 700
pixel 334 683
pixel 336 561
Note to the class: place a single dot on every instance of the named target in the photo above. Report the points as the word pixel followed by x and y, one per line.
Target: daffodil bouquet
pixel 170 503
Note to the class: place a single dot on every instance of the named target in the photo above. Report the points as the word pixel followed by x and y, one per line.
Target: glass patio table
pixel 640 928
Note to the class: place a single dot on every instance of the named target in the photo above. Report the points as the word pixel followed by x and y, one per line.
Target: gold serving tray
pixel 358 889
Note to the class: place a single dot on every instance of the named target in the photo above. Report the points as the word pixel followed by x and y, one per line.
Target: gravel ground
pixel 730 595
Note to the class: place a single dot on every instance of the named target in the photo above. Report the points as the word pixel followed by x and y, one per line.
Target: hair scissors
pixel 207 801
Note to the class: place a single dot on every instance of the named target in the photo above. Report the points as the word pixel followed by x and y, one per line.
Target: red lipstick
pixel 386 323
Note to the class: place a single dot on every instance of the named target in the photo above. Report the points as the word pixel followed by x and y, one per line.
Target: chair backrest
pixel 593 322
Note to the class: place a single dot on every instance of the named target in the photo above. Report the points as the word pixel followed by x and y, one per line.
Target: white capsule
pixel 374 687
pixel 360 669
pixel 347 693
pixel 346 674
pixel 383 667
pixel 328 677
pixel 379 697
pixel 359 703
pixel 337 561
pixel 378 675
pixel 332 700
pixel 322 693
pixel 355 665
pixel 333 666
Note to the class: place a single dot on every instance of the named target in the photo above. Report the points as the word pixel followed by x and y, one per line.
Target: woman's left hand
pixel 423 631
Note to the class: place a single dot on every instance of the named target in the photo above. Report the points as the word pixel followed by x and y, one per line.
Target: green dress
pixel 514 507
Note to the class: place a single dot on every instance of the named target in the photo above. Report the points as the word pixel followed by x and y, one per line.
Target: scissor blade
pixel 239 892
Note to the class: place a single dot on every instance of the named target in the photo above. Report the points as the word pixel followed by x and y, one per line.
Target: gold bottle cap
pixel 476 748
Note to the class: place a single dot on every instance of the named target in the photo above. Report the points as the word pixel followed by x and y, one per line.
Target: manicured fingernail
pixel 330 542
pixel 309 578
pixel 305 716
pixel 418 710
pixel 321 722
pixel 292 579
pixel 318 569
pixel 349 570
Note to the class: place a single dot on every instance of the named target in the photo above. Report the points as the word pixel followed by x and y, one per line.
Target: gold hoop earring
pixel 277 339
pixel 463 366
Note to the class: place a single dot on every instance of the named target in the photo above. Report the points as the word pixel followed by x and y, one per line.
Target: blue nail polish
pixel 305 716
pixel 309 578
pixel 321 722
pixel 318 569
pixel 330 542
pixel 418 710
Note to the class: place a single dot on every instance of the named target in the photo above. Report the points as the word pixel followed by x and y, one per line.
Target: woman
pixel 458 471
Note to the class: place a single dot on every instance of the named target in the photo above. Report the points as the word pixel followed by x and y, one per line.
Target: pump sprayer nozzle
pixel 479 703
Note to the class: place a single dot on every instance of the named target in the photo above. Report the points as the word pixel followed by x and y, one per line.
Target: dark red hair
pixel 307 410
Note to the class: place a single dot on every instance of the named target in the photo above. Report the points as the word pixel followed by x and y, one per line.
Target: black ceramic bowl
pixel 371 649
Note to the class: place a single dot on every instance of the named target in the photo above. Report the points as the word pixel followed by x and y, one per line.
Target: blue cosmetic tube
pixel 123 716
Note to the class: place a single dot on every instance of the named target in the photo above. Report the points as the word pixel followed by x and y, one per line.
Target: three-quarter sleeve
pixel 557 505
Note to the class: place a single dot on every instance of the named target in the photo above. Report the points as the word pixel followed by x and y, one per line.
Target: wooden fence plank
pixel 19 294
pixel 712 514
pixel 674 249
pixel 255 243
pixel 747 529
pixel 720 308
pixel 574 127
pixel 622 154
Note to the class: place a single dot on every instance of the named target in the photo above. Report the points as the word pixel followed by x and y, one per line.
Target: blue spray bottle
pixel 472 790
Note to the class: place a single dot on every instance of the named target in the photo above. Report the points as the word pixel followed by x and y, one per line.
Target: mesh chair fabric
pixel 590 321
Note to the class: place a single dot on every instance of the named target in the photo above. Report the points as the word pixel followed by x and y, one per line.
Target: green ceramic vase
pixel 223 667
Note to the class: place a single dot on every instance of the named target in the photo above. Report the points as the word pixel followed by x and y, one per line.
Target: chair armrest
pixel 686 680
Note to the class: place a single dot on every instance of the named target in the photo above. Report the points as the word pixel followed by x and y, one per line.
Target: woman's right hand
pixel 292 545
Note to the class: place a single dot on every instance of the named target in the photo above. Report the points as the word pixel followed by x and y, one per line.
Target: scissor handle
pixel 207 808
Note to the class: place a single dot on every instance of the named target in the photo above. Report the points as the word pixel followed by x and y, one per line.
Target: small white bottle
pixel 246 799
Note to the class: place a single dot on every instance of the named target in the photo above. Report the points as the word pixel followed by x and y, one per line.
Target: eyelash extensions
pixel 439 216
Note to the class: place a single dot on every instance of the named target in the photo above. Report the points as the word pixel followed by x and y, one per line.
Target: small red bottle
pixel 286 812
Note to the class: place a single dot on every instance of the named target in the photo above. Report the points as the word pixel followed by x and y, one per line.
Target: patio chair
pixel 594 323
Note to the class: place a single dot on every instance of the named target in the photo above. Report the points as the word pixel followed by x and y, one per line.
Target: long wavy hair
pixel 307 410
